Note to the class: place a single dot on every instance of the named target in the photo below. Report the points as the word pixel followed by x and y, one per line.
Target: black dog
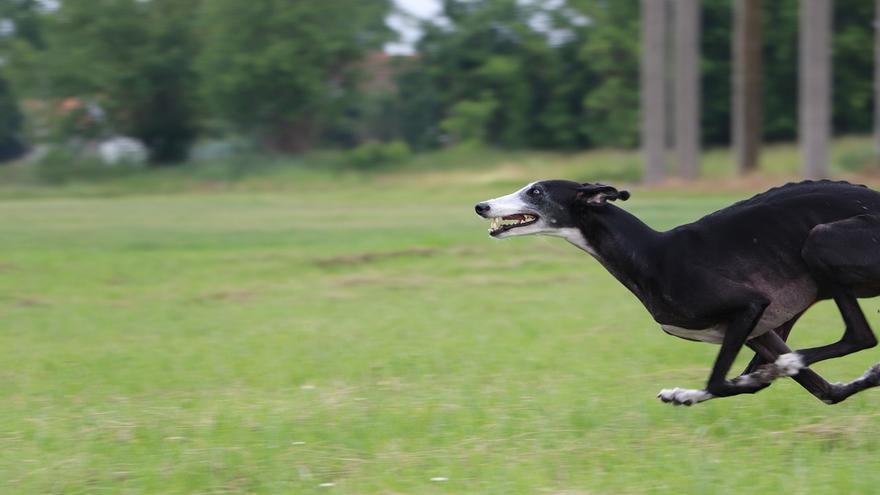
pixel 740 276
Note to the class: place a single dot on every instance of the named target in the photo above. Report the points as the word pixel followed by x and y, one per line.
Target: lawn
pixel 365 336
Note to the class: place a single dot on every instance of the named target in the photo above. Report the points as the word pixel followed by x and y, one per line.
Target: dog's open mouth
pixel 509 222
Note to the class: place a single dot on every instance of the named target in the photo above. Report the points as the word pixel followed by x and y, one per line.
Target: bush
pixel 61 165
pixel 376 155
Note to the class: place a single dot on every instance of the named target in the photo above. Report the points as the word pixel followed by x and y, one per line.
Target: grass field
pixel 367 334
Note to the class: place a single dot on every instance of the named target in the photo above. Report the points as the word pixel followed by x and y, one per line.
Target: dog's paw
pixel 789 364
pixel 872 376
pixel 683 396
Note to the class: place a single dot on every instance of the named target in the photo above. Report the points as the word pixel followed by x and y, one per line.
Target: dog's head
pixel 545 207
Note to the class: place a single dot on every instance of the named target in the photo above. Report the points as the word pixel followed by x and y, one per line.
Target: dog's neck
pixel 624 245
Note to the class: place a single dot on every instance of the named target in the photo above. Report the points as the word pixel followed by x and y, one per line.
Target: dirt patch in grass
pixel 408 282
pixel 362 258
pixel 835 429
pixel 27 302
pixel 375 256
pixel 6 267
pixel 229 295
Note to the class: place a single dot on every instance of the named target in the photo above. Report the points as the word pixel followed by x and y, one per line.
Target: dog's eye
pixel 534 192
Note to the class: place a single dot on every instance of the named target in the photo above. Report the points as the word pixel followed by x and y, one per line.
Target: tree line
pixel 293 76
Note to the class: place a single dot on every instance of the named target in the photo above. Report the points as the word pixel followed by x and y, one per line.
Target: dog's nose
pixel 482 208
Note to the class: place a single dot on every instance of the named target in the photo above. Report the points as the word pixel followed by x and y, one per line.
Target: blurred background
pixel 238 252
pixel 379 82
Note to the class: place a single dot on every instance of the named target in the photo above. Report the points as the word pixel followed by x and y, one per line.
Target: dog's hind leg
pixel 857 335
pixel 844 258
pixel 770 346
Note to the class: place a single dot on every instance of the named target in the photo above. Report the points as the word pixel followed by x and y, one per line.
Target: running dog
pixel 741 276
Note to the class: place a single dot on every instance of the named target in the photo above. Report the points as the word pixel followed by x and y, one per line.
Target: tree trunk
pixel 687 87
pixel 814 92
pixel 747 85
pixel 652 88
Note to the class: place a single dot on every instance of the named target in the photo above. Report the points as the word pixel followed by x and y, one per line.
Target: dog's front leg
pixel 735 335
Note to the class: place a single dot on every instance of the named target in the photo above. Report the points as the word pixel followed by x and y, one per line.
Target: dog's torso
pixel 754 245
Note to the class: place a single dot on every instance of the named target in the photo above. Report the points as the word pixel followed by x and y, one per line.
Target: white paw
pixel 789 364
pixel 685 396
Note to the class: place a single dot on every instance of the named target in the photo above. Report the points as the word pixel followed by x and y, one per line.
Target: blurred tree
pixel 133 58
pixel 288 71
pixel 11 145
pixel 506 66
pixel 716 65
pixel 421 105
pixel 19 22
pixel 853 65
pixel 468 119
pixel 779 27
pixel 557 74
pixel 610 55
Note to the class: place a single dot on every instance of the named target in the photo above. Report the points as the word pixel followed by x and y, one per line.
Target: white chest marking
pixel 575 237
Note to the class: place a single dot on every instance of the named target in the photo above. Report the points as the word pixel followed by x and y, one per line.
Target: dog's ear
pixel 599 194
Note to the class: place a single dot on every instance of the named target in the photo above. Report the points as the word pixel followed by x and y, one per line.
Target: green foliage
pixel 11 123
pixel 25 19
pixel 853 66
pixel 374 155
pixel 421 106
pixel 779 77
pixel 286 70
pixel 491 53
pixel 611 55
pixel 716 65
pixel 468 120
pixel 293 76
pixel 584 91
pixel 132 57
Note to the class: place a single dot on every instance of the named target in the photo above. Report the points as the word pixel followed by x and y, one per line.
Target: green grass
pixel 278 335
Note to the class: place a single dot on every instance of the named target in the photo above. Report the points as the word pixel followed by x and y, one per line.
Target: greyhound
pixel 741 276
